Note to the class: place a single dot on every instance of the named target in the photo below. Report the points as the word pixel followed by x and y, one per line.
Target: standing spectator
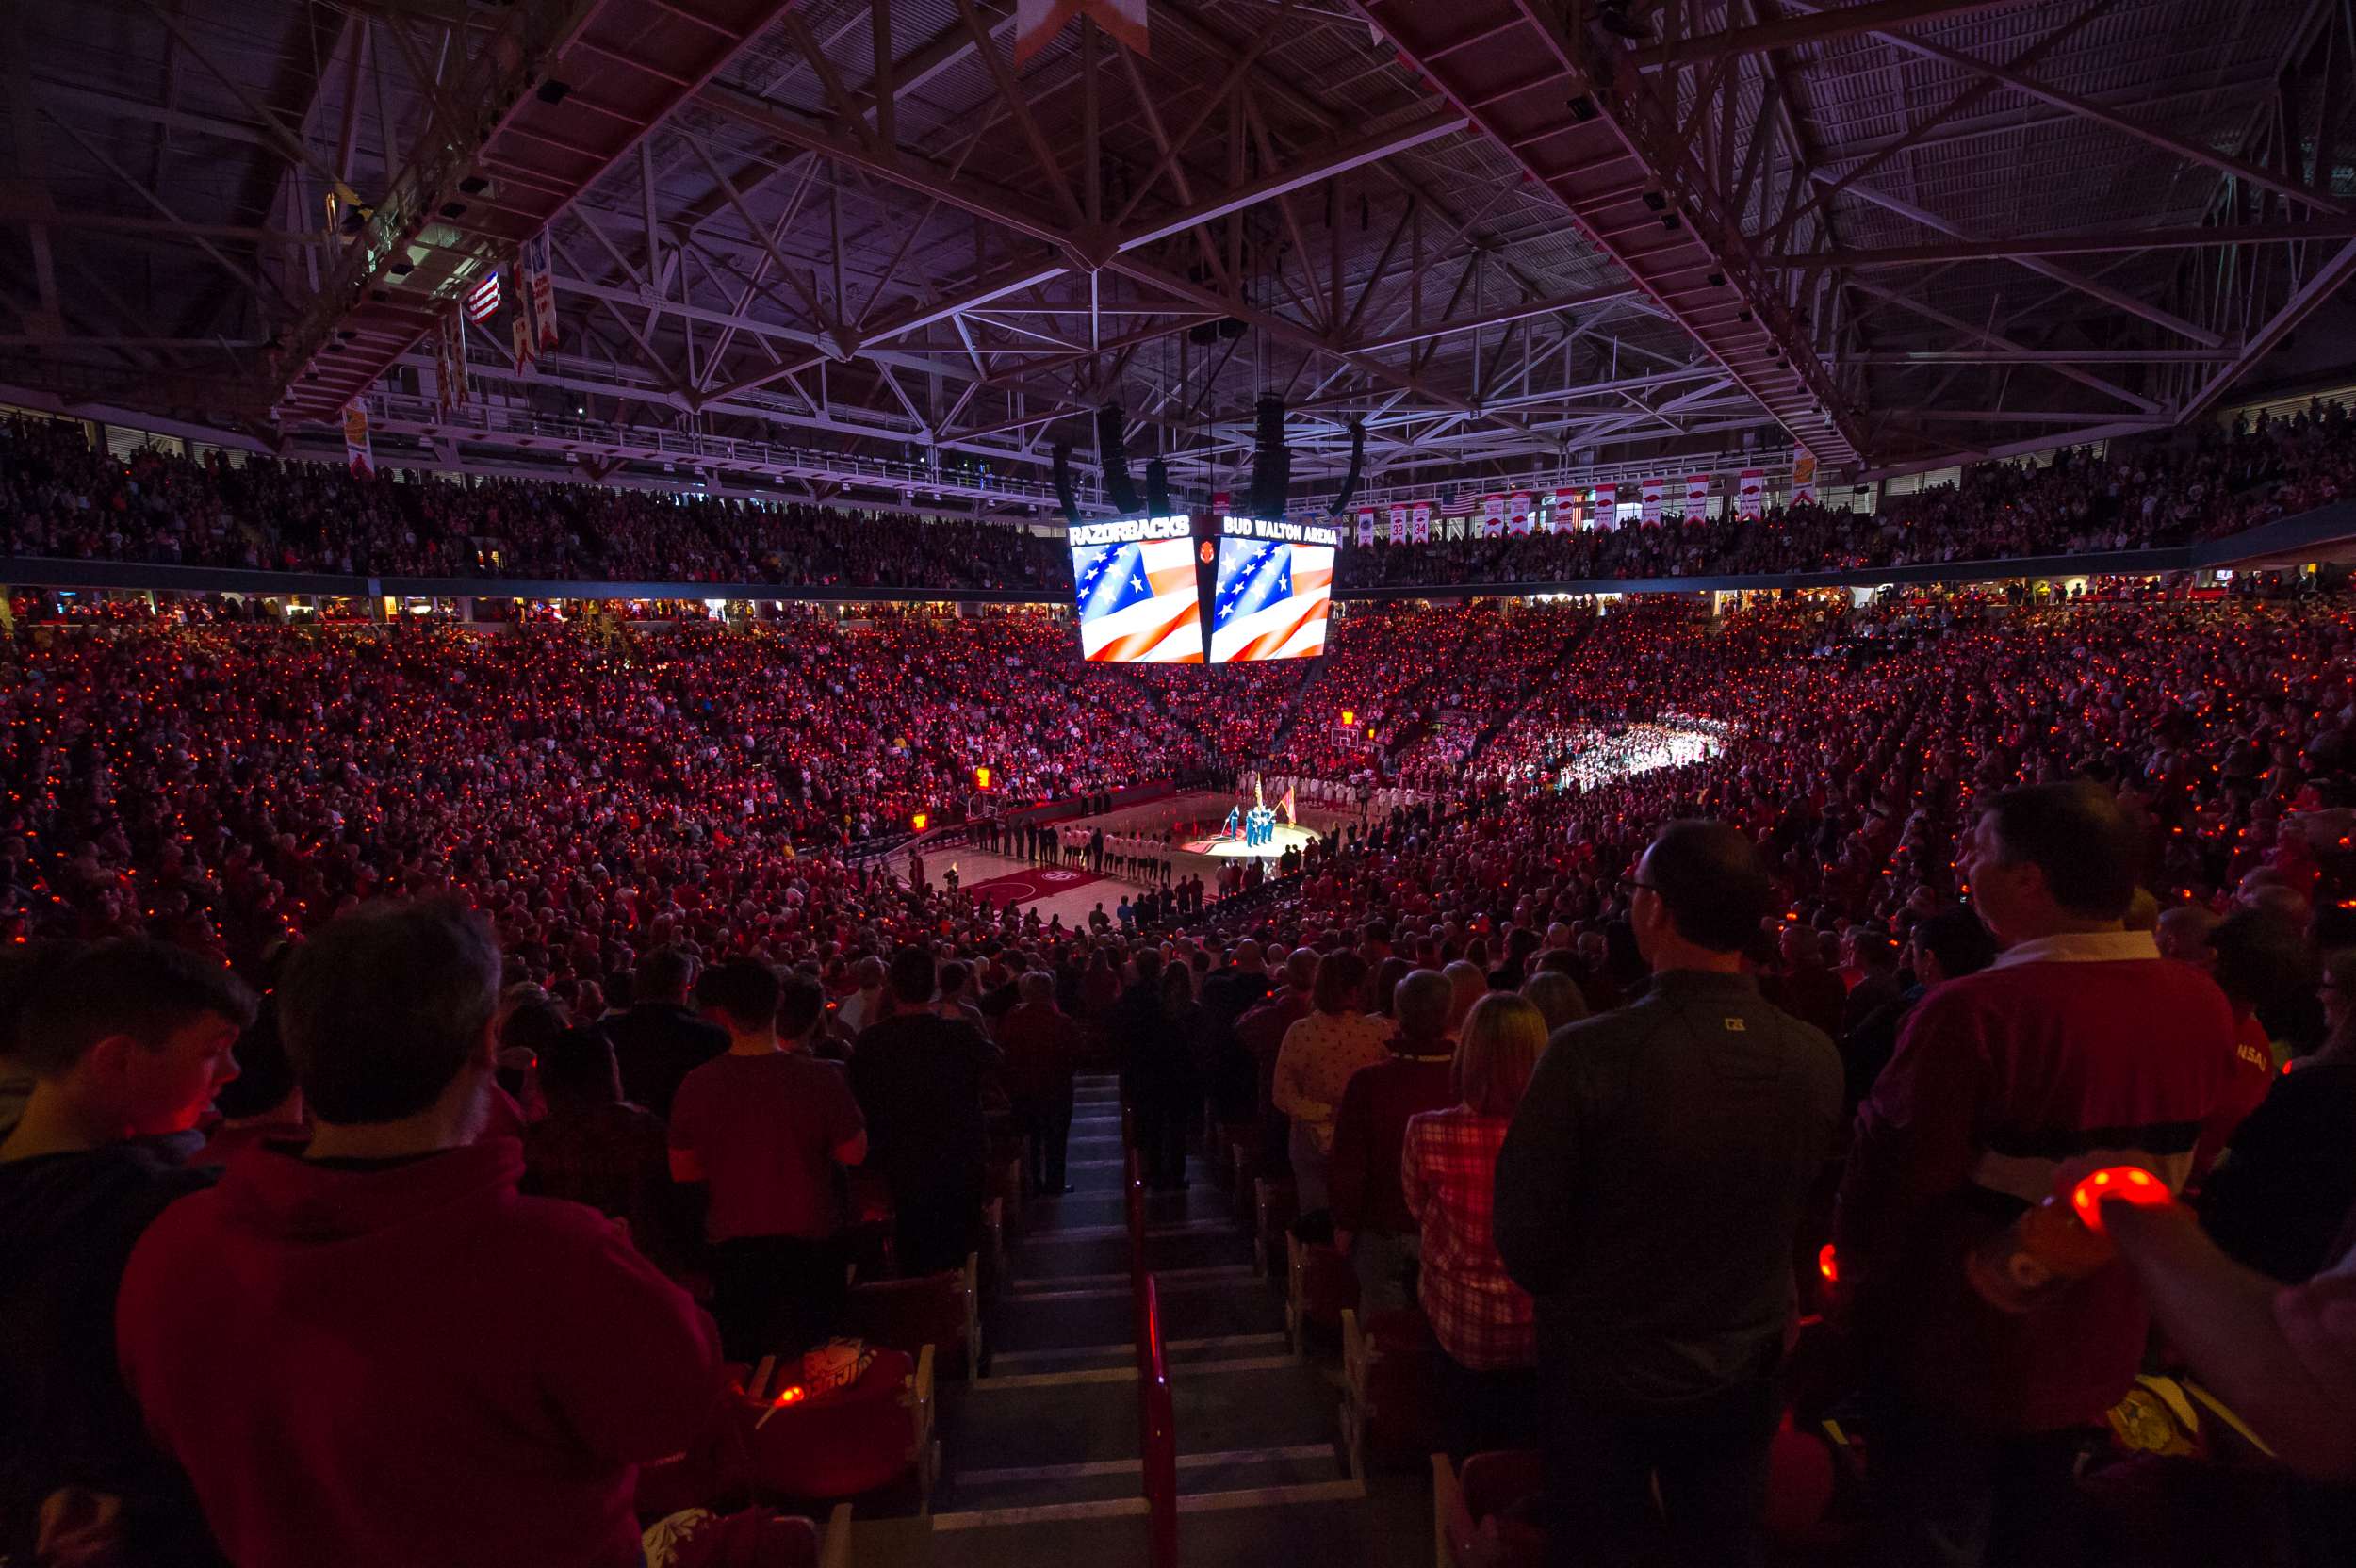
pixel 763 1125
pixel 1945 946
pixel 1371 1221
pixel 1556 996
pixel 1874 962
pixel 920 1080
pixel 1228 994
pixel 2277 1200
pixel 263 1104
pixel 2260 959
pixel 865 1004
pixel 1468 982
pixel 1805 986
pixel 2182 934
pixel 1260 1032
pixel 1315 1064
pixel 596 1147
pixel 1485 1323
pixel 1158 1066
pixel 2080 1043
pixel 521 1360
pixel 126 1044
pixel 1042 1049
pixel 656 1040
pixel 1647 1195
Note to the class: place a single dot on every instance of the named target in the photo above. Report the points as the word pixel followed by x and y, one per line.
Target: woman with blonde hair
pixel 1485 1323
pixel 1471 983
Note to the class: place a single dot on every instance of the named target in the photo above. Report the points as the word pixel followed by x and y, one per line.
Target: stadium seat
pixel 1390 1389
pixel 1319 1286
pixel 871 1435
pixel 751 1538
pixel 939 1310
pixel 1275 1206
pixel 1485 1516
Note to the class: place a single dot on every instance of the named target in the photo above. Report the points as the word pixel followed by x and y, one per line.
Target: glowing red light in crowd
pixel 792 1394
pixel 1350 717
pixel 981 778
pixel 2131 1183
pixel 1828 1265
pixel 918 821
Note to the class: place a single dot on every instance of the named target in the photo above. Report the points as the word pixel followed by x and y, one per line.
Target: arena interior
pixel 1211 782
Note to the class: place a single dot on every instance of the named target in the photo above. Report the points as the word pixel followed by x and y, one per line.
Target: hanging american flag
pixel 1272 600
pixel 482 300
pixel 1138 602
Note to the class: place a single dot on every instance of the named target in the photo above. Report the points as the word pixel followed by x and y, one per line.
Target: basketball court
pixel 1186 830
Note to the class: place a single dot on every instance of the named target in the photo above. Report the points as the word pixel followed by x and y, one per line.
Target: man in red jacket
pixel 1371 1220
pixel 373 1352
pixel 2079 1047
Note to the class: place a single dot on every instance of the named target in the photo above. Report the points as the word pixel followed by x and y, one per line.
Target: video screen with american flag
pixel 1135 581
pixel 1274 591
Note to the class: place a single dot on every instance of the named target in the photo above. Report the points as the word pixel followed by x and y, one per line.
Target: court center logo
pixel 1059 877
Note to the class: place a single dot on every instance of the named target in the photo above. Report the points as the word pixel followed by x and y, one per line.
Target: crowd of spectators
pixel 2202 483
pixel 61 497
pixel 507 858
pixel 226 786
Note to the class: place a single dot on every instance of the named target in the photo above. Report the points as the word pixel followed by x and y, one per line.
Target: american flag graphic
pixel 482 300
pixel 1271 601
pixel 1138 602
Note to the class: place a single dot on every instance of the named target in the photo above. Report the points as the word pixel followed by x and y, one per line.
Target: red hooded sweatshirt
pixel 409 1365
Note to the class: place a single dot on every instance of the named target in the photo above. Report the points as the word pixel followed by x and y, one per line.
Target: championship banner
pixel 441 369
pixel 454 322
pixel 358 455
pixel 1751 495
pixel 1036 23
pixel 1419 523
pixel 1517 520
pixel 1696 498
pixel 1365 525
pixel 1569 512
pixel 1650 493
pixel 539 287
pixel 1493 517
pixel 1398 525
pixel 1804 479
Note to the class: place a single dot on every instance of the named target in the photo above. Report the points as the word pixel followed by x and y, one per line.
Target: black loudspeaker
pixel 1064 492
pixel 1357 462
pixel 1271 464
pixel 1112 455
pixel 1157 488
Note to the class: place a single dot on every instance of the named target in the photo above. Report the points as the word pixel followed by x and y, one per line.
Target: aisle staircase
pixel 1045 1461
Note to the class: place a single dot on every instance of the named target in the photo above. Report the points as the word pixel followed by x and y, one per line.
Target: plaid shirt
pixel 1448 1173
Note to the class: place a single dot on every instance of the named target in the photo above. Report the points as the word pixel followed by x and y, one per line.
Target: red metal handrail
pixel 1158 1430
